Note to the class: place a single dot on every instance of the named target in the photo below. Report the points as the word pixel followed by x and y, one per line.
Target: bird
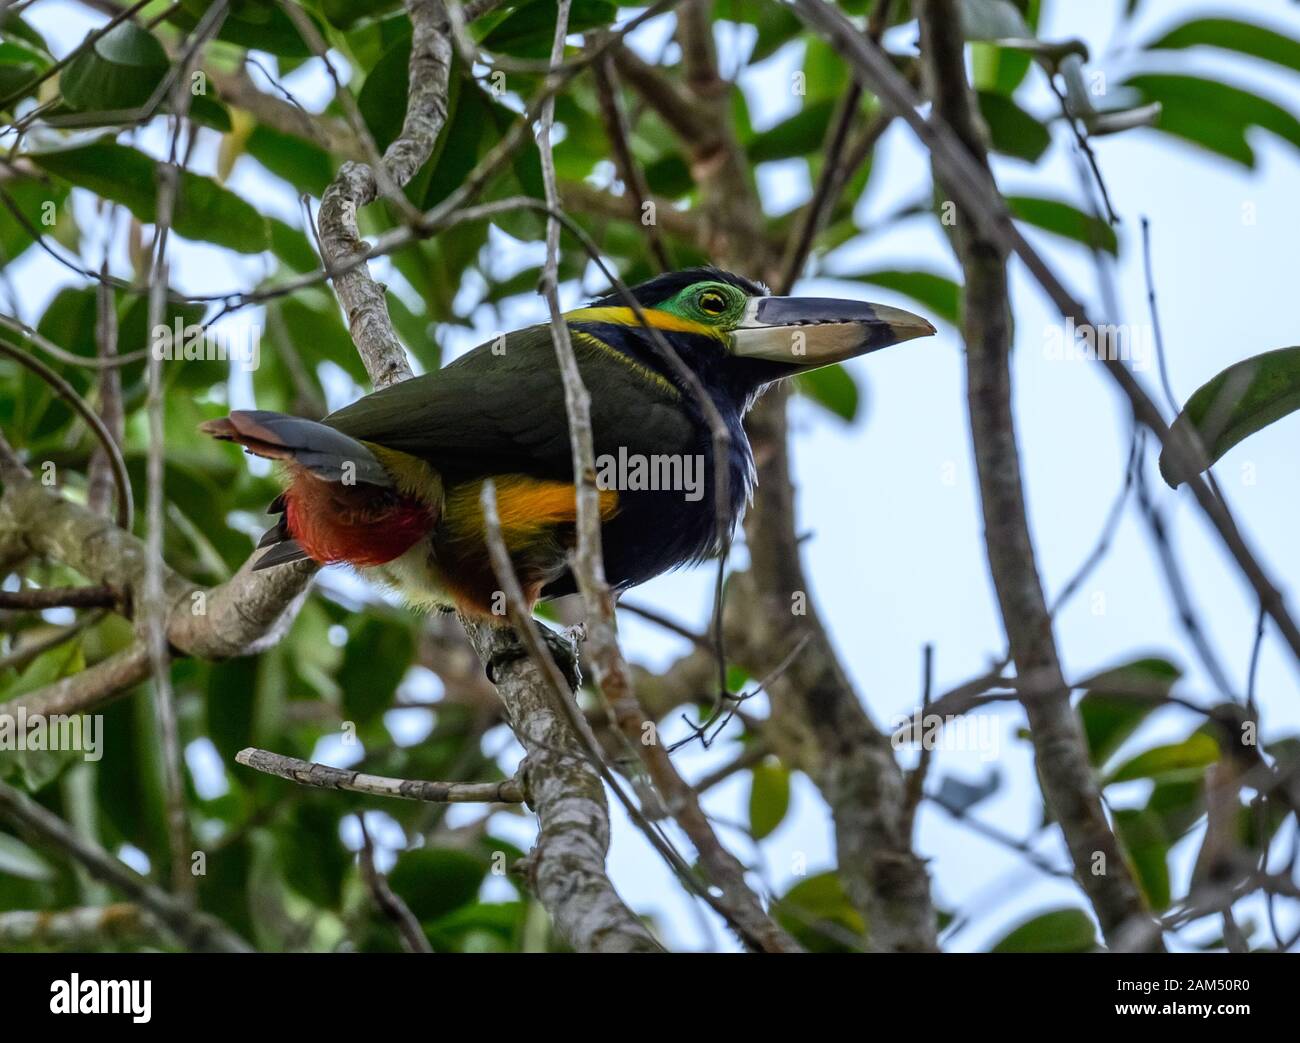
pixel 392 483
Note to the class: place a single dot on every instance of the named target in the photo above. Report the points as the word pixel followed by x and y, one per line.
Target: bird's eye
pixel 713 302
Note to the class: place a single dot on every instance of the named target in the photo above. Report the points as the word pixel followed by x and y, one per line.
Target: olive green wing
pixel 500 410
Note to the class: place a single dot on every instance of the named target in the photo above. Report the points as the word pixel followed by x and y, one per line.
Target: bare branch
pixel 194 929
pixel 389 903
pixel 322 776
pixel 567 864
pixel 121 923
pixel 974 190
pixel 99 479
pixel 1061 752
pixel 356 185
pixel 42 598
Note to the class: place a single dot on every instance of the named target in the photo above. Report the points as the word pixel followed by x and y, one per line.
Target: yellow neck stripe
pixel 645 372
pixel 660 320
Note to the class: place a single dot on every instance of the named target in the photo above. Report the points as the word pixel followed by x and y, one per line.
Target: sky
pixel 896 554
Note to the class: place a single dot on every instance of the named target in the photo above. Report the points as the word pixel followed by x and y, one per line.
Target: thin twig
pixel 154 608
pixel 79 405
pixel 390 904
pixel 99 473
pixel 635 189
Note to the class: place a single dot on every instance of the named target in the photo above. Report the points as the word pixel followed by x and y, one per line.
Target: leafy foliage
pixel 349 680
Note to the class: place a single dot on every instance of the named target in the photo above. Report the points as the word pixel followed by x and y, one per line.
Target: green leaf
pixel 460 144
pixel 1213 114
pixel 311 855
pixel 1229 34
pixel 435 880
pixel 14 27
pixel 825 75
pixel 802 133
pixel 17 859
pixel 936 293
pixel 254 24
pixel 382 99
pixel 466 927
pixel 777 25
pixel 1245 397
pixel 769 798
pixel 229 703
pixel 306 167
pixel 292 246
pixel 209 113
pixel 1060 930
pixel 1180 761
pixel 1179 804
pixel 1012 131
pixel 119 71
pixel 1143 837
pixel 993 20
pixel 998 69
pixel 375 661
pixel 1065 220
pixel 1111 714
pixel 21 65
pixel 35 201
pixel 204 210
pixel 818 913
pixel 346 13
pixel 528 30
pixel 831 387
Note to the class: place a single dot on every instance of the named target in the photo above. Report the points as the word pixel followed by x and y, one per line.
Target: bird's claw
pixel 563 646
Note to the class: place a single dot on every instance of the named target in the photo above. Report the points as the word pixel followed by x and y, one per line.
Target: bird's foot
pixel 563 646
pixel 564 650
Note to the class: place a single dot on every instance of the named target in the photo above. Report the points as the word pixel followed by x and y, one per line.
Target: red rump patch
pixel 360 525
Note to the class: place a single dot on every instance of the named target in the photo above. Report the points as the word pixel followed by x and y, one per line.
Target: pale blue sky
pixel 896 555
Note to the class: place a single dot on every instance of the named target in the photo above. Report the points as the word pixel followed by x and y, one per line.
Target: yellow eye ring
pixel 712 302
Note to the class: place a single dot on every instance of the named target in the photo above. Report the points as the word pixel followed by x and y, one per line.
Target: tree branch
pixel 90 927
pixel 196 930
pixel 977 194
pixel 322 776
pixel 356 185
pixel 1060 749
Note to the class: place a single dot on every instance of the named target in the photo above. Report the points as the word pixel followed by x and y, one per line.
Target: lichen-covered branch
pixel 84 928
pixel 322 776
pixel 247 613
pixel 356 185
pixel 567 863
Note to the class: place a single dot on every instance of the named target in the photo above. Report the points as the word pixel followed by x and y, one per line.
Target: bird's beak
pixel 816 331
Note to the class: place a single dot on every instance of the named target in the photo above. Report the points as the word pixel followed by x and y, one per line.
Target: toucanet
pixel 391 484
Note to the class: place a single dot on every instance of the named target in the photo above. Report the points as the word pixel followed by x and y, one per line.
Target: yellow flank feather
pixel 660 320
pixel 528 508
